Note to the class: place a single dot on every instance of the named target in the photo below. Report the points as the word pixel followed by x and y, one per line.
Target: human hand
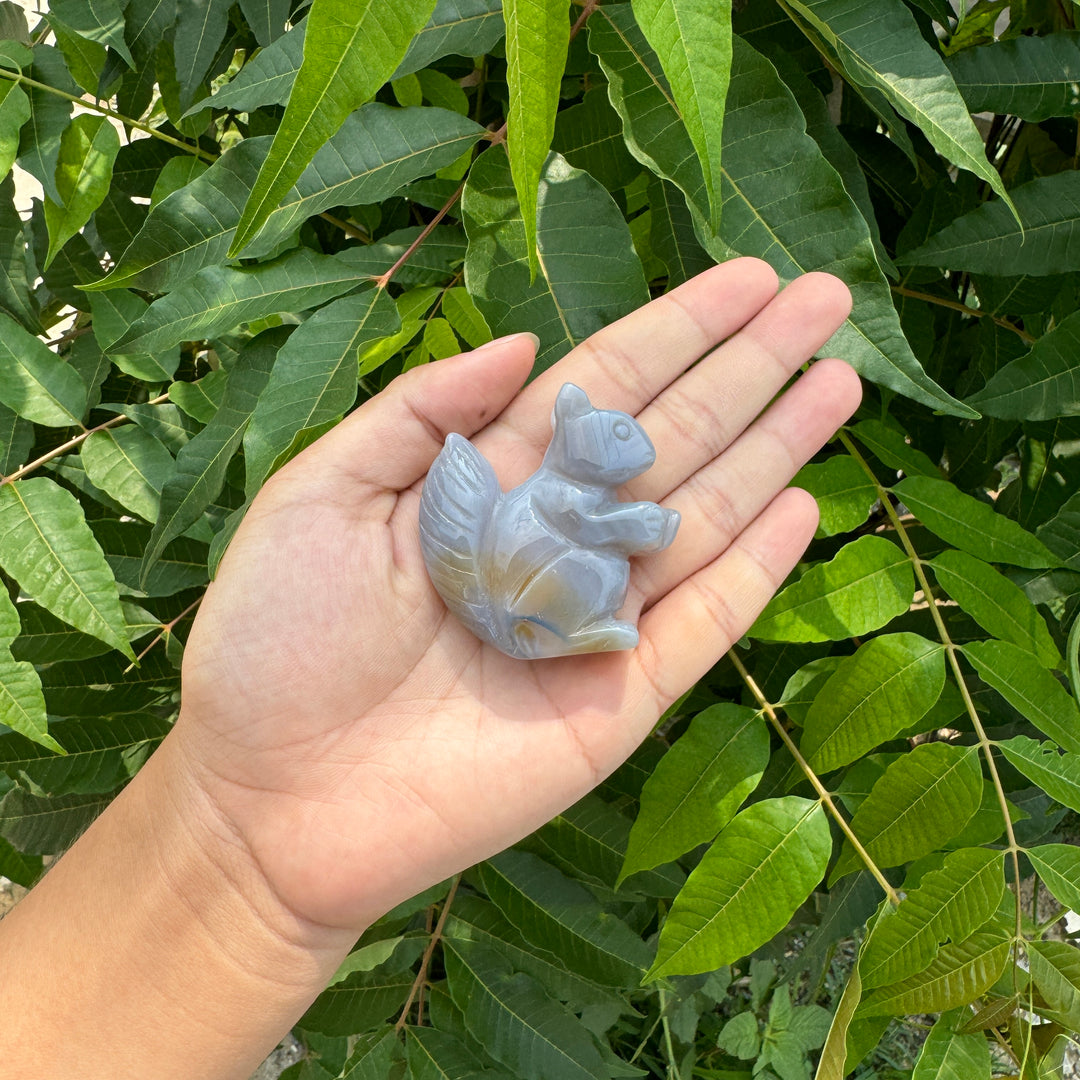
pixel 356 739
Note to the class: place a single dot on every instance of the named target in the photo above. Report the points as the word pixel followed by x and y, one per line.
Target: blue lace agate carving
pixel 542 570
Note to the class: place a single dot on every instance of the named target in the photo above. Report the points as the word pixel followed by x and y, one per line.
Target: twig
pixel 166 628
pixel 818 786
pixel 942 301
pixel 425 961
pixel 69 335
pixel 586 11
pixel 954 663
pixel 127 121
pixel 384 279
pixel 56 451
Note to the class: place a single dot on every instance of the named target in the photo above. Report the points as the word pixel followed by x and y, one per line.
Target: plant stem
pixel 955 305
pixel 425 961
pixel 166 628
pixel 127 121
pixel 817 785
pixel 63 448
pixel 954 663
pixel 384 279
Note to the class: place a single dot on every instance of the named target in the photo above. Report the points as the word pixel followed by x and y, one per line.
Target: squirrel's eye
pixel 621 430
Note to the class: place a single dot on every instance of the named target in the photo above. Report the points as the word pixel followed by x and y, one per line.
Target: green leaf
pixel 959 974
pixel 201 464
pixel 86 60
pixel 556 913
pixel 891 448
pixel 589 273
pixel 1055 969
pixel 15 866
pixel 98 20
pixel 698 785
pixel 880 48
pixel 108 685
pixel 845 494
pixel 266 18
pixel 22 704
pixel 43 826
pixel 350 50
pixel 99 755
pixel 1041 384
pixel 996 604
pixel 14 112
pixel 948 1055
pixel 39 139
pixel 16 274
pixel 219 298
pixel 948 905
pixel 671 232
pixel 588 840
pixel 885 687
pixel 465 317
pixel 746 887
pixel 130 466
pixel 475 920
pixel 834 1052
pixel 200 399
pixel 34 382
pixel 537 36
pixel 200 28
pixel 358 1003
pixel 1029 688
pixel 315 375
pixel 378 150
pixel 971 525
pixel 692 41
pixel 988 238
pixel 46 546
pixel 1056 773
pixel 1059 867
pixel 1030 77
pixel 515 1021
pixel 865 585
pixel 45 638
pixel 782 201
pixel 465 27
pixel 114 313
pixel 182 566
pixel 925 798
pixel 437 1055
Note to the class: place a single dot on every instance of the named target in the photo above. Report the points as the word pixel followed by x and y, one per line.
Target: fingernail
pixel 509 337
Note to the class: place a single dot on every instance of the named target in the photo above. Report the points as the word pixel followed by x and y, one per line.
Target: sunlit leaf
pixel 746 887
pixel 698 785
pixel 1058 774
pixel 350 50
pixel 865 585
pixel 949 1055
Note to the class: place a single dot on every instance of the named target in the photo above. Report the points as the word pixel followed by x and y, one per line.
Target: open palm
pixel 363 744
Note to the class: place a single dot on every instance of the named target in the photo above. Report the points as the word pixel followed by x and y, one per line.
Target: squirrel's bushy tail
pixel 456 504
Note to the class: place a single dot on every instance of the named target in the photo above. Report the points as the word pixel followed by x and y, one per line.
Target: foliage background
pixel 255 215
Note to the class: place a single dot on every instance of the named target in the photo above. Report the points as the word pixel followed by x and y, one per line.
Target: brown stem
pixel 127 121
pixel 942 301
pixel 954 663
pixel 166 628
pixel 384 279
pixel 586 11
pixel 818 786
pixel 18 474
pixel 425 960
pixel 69 335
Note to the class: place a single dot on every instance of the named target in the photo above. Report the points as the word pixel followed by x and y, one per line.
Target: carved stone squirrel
pixel 542 570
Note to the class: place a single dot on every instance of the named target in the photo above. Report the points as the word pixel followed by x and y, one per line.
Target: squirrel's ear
pixel 572 401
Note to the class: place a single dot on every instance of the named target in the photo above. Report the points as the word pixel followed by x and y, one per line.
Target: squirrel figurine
pixel 542 570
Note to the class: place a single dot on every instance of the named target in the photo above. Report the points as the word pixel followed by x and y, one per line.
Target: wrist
pixel 159 911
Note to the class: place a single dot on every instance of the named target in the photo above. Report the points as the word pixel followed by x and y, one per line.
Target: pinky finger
pixel 686 632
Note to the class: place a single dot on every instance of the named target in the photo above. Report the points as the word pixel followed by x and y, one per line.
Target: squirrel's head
pixel 597 446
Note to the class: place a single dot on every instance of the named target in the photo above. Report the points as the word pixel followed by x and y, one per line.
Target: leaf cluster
pixel 252 216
